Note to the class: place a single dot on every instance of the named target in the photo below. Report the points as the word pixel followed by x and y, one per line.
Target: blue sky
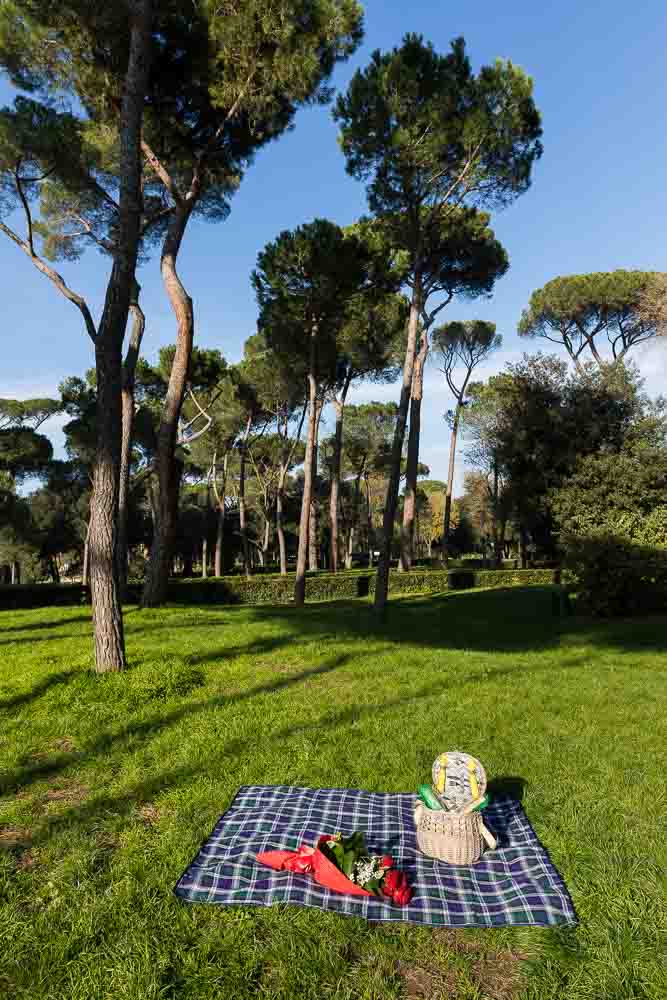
pixel 598 199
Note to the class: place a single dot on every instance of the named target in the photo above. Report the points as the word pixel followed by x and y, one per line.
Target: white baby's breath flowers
pixel 368 870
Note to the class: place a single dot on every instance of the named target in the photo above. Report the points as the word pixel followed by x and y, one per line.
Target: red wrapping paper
pixel 311 861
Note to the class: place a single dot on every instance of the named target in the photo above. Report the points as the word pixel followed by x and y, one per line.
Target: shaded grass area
pixel 109 784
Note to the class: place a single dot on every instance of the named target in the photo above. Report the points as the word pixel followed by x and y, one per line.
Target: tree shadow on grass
pixel 39 626
pixel 123 804
pixel 148 729
pixel 21 777
pixel 17 701
pixel 508 619
pixel 485 621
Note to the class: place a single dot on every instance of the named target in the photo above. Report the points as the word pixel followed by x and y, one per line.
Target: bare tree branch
pixel 56 278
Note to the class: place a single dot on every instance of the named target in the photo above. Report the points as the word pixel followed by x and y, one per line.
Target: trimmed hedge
pixel 41 595
pixel 276 589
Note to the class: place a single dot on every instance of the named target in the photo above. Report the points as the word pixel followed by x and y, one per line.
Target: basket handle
pixel 491 841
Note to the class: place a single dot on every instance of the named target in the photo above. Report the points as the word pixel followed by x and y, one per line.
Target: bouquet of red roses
pixel 344 865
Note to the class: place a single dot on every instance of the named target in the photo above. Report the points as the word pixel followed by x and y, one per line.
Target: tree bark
pixel 450 480
pixel 105 590
pixel 312 537
pixel 219 540
pixel 266 542
pixel 391 500
pixel 204 556
pixel 287 456
pixel 243 528
pixel 412 462
pixel 497 544
pixel 308 470
pixel 280 528
pixel 86 558
pixel 334 499
pixel 127 417
pixel 157 577
pixel 313 561
pixel 369 521
pixel 220 527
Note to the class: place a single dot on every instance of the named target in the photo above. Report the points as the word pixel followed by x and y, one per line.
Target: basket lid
pixel 458 779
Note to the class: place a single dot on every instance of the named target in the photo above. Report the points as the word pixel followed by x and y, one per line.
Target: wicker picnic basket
pixel 451 837
pixel 456 834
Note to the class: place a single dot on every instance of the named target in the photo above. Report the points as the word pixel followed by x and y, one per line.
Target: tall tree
pixel 461 259
pixel 109 49
pixel 229 79
pixel 575 312
pixel 369 430
pixel 463 346
pixel 545 421
pixel 369 347
pixel 213 450
pixel 429 136
pixel 282 390
pixel 304 282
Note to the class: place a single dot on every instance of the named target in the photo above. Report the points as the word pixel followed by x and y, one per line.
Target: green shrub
pixel 615 577
pixel 276 589
pixel 516 577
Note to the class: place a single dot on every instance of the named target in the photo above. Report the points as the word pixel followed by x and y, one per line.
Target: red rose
pixel 387 861
pixel 403 895
pixel 392 881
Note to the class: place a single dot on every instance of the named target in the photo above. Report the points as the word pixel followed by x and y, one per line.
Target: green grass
pixel 109 784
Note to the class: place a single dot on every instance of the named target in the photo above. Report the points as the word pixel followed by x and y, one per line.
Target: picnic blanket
pixel 515 884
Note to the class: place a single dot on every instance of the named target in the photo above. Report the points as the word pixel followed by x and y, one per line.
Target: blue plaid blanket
pixel 515 884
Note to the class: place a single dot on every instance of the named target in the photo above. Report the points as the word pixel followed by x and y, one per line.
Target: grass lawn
pixel 109 784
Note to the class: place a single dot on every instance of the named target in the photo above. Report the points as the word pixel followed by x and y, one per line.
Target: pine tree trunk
pixel 450 481
pixel 335 484
pixel 312 538
pixel 157 577
pixel 127 418
pixel 349 552
pixel 312 524
pixel 220 527
pixel 349 548
pixel 308 473
pixel 219 540
pixel 412 462
pixel 334 499
pixel 243 529
pixel 86 558
pixel 152 498
pixel 13 573
pixel 280 528
pixel 497 551
pixel 266 542
pixel 105 591
pixel 369 521
pixel 204 556
pixel 391 500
